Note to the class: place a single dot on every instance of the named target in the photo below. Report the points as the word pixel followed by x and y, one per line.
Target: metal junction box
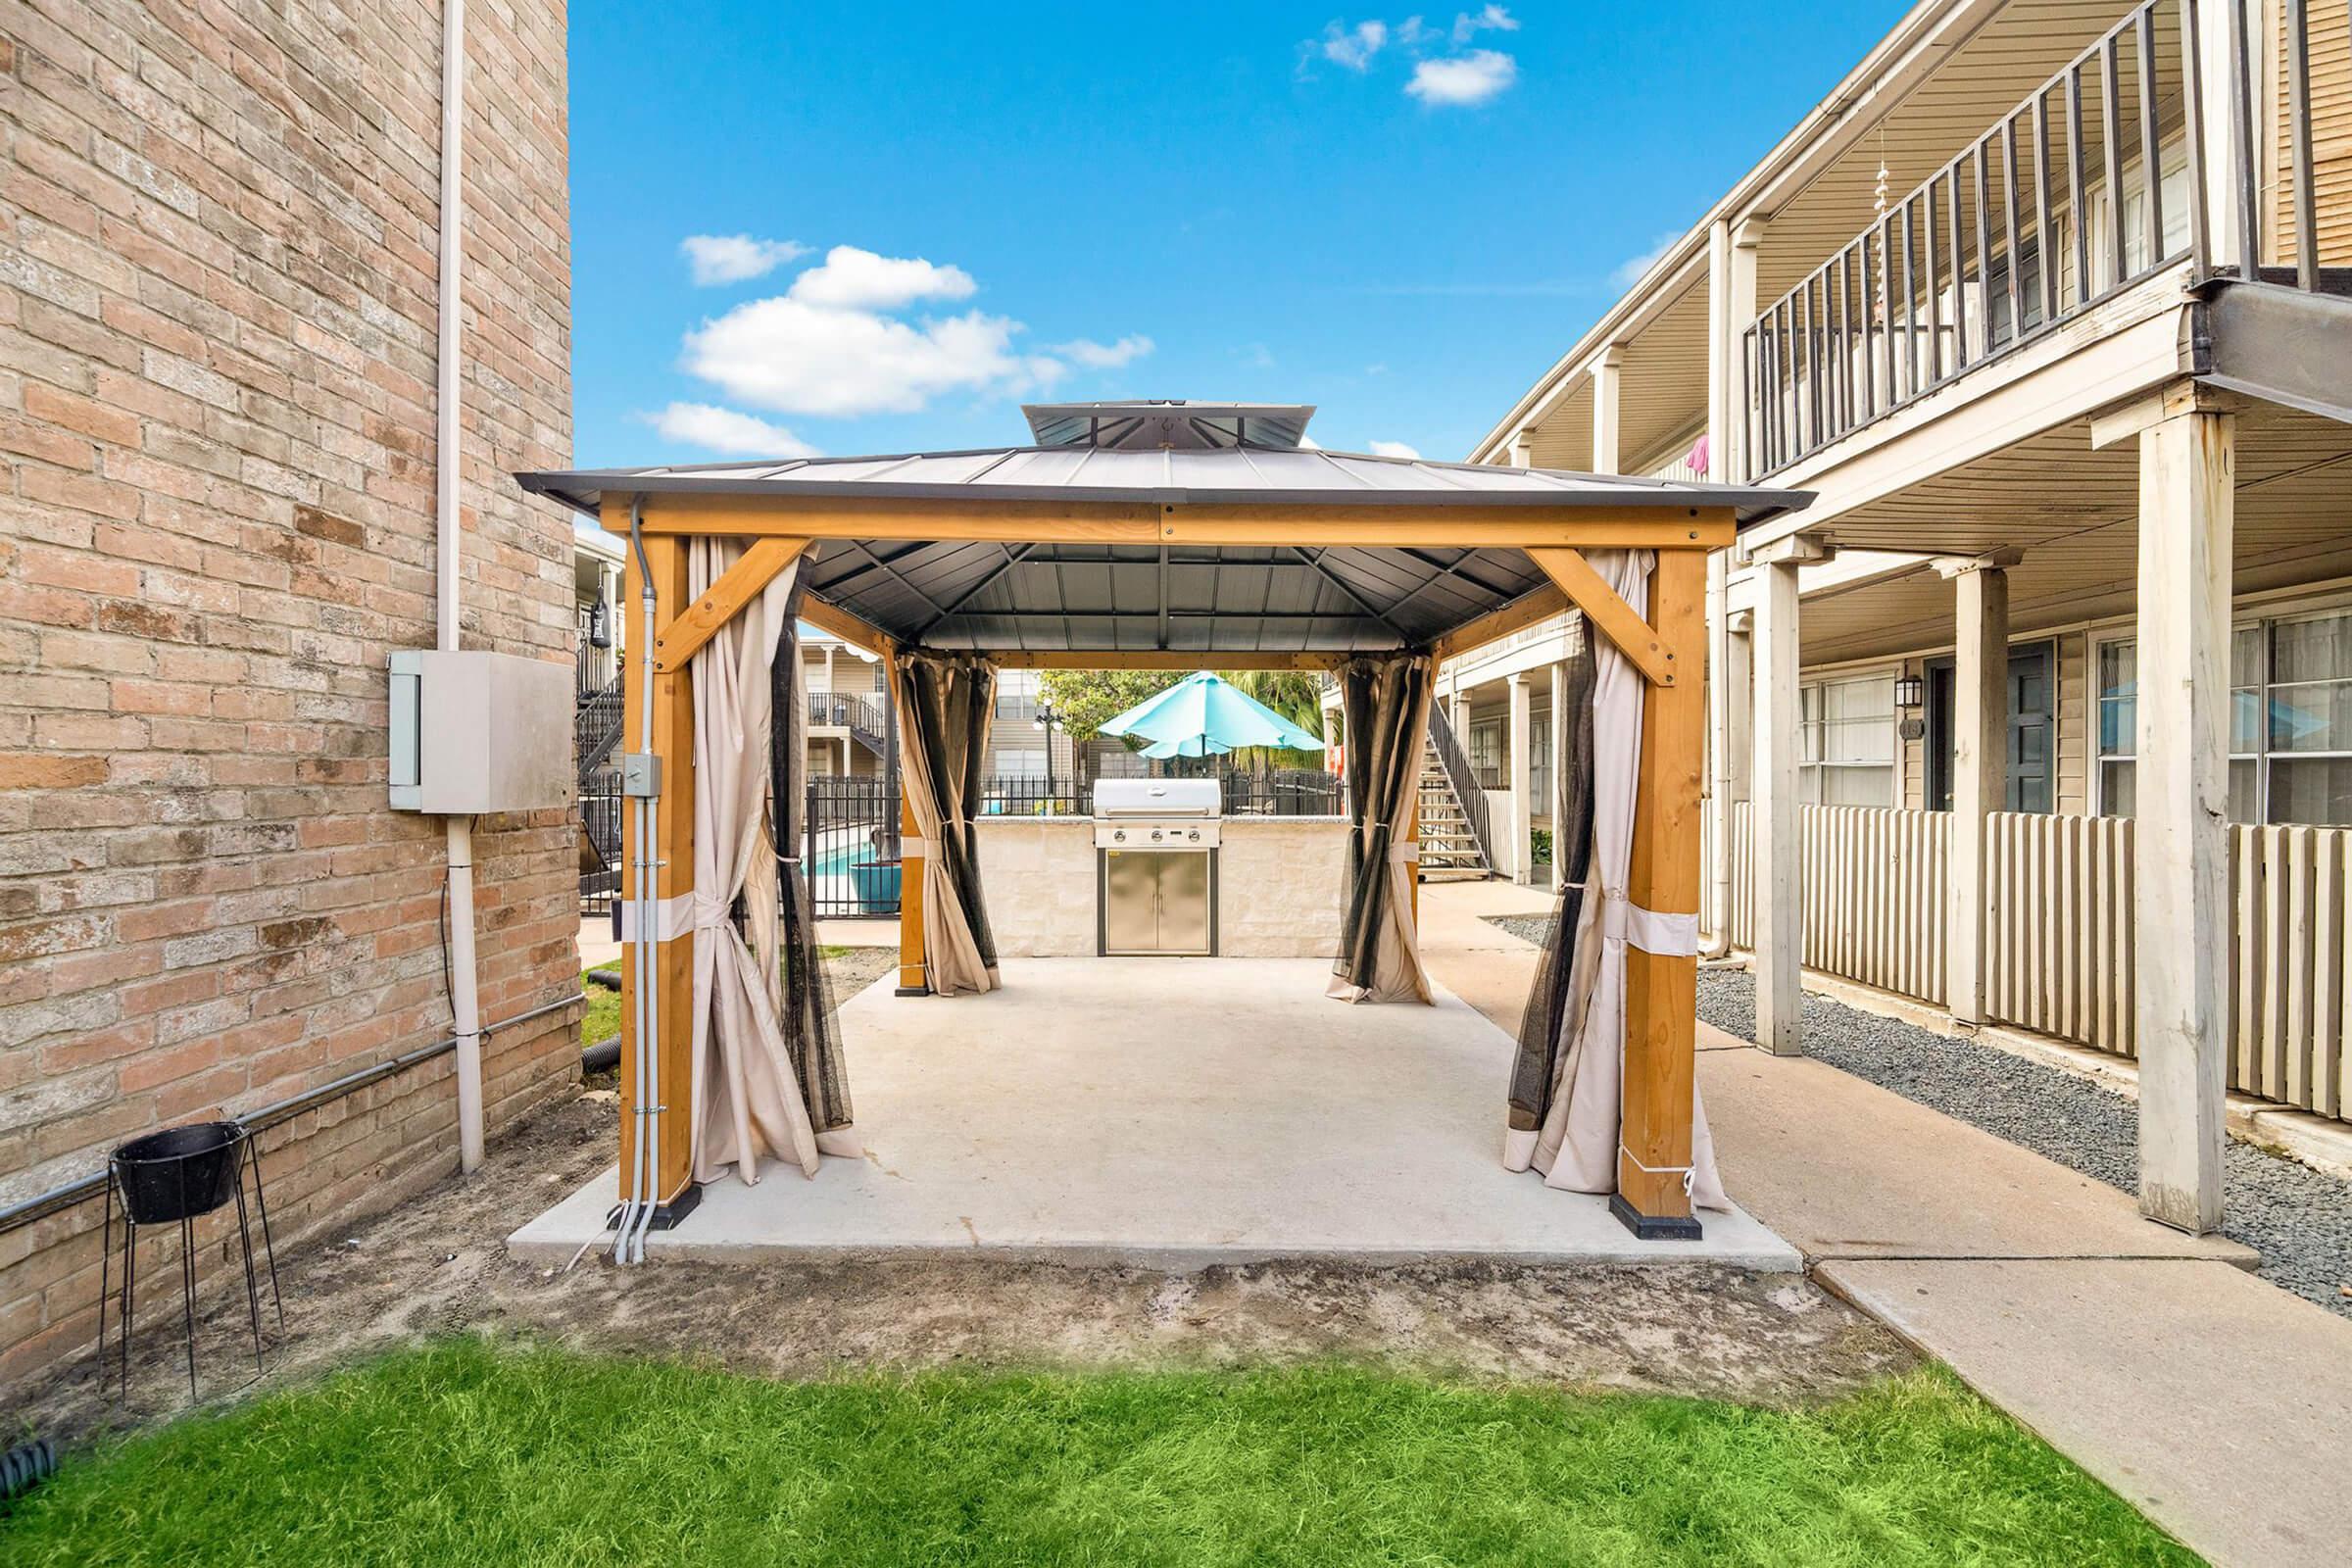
pixel 479 732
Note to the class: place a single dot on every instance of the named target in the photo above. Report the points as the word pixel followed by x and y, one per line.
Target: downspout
pixel 464 1001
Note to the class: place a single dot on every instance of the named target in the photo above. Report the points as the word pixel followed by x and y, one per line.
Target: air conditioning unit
pixel 477 732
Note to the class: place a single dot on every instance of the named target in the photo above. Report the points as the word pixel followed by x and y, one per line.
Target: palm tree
pixel 1295 694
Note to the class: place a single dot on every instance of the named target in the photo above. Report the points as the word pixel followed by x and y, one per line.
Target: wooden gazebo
pixel 1182 535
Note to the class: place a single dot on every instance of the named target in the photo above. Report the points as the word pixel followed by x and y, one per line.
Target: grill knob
pixel 1194 835
pixel 1118 835
pixel 1155 835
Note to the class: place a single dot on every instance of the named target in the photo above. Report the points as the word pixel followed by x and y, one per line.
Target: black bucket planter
pixel 177 1177
pixel 179 1173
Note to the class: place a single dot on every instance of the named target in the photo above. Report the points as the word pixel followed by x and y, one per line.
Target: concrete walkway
pixel 1175 1113
pixel 2218 1405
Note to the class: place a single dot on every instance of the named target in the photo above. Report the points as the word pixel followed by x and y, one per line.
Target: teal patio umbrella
pixel 1201 715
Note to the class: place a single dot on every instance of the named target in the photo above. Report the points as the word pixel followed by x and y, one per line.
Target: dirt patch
pixel 438 1265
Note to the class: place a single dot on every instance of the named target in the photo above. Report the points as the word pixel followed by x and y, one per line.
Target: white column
pixel 1780 915
pixel 1521 755
pixel 1606 381
pixel 1521 450
pixel 1723 696
pixel 1730 464
pixel 1560 766
pixel 828 672
pixel 2181 846
pixel 1979 775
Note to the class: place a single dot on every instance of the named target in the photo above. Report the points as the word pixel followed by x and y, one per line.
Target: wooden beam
pixel 737 586
pixel 1661 990
pixel 1526 610
pixel 673 739
pixel 1373 527
pixel 1608 614
pixel 851 628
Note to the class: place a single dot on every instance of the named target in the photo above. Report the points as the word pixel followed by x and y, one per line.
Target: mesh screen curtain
pixel 1386 705
pixel 946 703
pixel 1548 1022
pixel 767 1071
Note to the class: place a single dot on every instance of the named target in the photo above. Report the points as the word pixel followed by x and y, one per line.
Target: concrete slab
pixel 864 932
pixel 1844 1168
pixel 2218 1405
pixel 1175 1113
pixel 597 947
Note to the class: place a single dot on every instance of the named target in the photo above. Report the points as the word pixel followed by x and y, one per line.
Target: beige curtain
pixel 1576 1147
pixel 748 1100
pixel 946 705
pixel 1386 702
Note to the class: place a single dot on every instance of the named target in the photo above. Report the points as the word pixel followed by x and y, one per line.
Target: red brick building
pixel 218 360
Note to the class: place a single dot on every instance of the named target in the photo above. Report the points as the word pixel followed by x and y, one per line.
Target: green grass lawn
pixel 463 1453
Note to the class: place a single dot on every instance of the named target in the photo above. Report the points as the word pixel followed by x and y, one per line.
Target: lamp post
pixel 1045 720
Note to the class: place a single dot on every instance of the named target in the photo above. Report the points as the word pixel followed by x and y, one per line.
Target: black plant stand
pixel 177 1176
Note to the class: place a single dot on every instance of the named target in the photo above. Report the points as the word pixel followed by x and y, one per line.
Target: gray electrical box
pixel 478 732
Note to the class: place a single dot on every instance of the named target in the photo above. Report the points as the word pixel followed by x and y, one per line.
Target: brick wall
pixel 216 369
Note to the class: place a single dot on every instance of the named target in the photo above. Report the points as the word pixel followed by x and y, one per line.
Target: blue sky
pixel 909 220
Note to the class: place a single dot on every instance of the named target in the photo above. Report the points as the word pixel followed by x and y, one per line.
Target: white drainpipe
pixel 464 1001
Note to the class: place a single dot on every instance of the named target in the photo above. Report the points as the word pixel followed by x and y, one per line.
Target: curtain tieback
pixel 711 911
pixel 1688 1173
pixel 1668 936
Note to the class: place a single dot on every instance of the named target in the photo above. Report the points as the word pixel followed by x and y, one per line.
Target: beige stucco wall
pixel 1277 886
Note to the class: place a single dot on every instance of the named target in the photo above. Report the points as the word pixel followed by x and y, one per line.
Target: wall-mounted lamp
pixel 1910 690
pixel 600 624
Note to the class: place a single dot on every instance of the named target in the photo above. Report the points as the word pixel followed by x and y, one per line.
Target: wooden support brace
pixel 1636 639
pixel 851 628
pixel 678 641
pixel 1526 610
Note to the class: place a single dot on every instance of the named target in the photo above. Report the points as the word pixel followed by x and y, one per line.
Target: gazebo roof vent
pixel 1176 424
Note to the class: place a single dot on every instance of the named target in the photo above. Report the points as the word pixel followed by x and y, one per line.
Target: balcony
pixel 2097 181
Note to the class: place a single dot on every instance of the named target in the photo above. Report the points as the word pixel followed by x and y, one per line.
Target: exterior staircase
pixel 862 716
pixel 596 724
pixel 1450 851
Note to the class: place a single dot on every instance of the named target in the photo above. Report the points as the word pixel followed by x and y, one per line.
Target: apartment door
pixel 2033 704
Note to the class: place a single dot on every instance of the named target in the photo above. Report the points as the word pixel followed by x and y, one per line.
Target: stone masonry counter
pixel 1278 884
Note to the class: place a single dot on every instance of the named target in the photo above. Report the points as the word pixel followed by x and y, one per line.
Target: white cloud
pixel 717 429
pixel 1629 272
pixel 734 258
pixel 1466 28
pixel 1353 47
pixel 796 357
pixel 1394 448
pixel 1094 355
pixel 851 280
pixel 1464 81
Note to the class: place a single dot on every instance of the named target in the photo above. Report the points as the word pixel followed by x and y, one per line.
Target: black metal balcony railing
pixel 844 711
pixel 2092 184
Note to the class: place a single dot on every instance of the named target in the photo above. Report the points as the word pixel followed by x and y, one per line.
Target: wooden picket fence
pixel 2059 944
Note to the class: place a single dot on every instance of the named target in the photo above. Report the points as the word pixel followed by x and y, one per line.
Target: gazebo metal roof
pixel 1173 597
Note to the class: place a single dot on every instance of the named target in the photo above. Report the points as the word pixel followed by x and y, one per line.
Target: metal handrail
pixel 1466 793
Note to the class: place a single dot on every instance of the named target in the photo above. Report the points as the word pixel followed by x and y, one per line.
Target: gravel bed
pixel 2299 1219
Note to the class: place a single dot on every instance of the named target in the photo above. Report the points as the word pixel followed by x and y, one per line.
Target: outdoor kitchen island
pixel 1278 884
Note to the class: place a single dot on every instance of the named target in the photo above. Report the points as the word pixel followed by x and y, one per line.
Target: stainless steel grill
pixel 1155 853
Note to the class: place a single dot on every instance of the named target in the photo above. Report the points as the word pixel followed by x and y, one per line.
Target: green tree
pixel 1086 699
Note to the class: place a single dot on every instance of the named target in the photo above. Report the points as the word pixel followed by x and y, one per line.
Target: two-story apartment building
pixel 2043 710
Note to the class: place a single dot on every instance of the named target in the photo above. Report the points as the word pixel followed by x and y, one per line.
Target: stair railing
pixel 1466 793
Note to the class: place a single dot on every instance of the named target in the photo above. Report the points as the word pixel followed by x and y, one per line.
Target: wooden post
pixel 673 741
pixel 913 978
pixel 2181 855
pixel 1979 775
pixel 1661 990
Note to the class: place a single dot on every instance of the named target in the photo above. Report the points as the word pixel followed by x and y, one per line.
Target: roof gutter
pixel 1901 60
